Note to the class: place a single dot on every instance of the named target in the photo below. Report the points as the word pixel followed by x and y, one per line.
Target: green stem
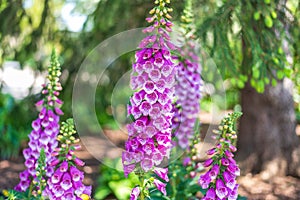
pixel 30 190
pixel 142 185
pixel 174 187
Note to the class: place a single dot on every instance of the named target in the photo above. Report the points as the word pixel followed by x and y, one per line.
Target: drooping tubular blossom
pixel 45 128
pixel 150 106
pixel 66 181
pixel 188 82
pixel 220 179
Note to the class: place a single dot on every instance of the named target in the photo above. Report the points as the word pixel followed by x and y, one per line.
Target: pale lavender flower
pixel 45 128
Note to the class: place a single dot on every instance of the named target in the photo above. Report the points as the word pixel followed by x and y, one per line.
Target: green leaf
pixel 121 188
pixel 255 73
pixel 102 192
pixel 287 71
pixel 275 60
pixel 267 80
pixel 280 74
pixel 256 15
pixel 274 14
pixel 240 84
pixel 260 86
pixel 267 1
pixel 280 50
pixel 268 22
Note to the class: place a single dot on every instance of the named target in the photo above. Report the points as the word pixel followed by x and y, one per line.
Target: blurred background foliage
pixel 227 31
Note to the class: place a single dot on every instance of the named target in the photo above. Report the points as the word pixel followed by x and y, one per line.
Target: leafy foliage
pixel 12 131
pixel 113 182
pixel 247 46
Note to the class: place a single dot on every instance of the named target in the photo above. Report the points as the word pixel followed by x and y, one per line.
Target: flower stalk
pixel 150 107
pixel 44 131
pixel 220 179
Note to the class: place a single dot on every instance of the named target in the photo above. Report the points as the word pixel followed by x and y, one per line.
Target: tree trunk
pixel 267 139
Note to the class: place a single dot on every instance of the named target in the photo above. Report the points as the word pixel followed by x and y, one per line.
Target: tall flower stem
pixel 150 106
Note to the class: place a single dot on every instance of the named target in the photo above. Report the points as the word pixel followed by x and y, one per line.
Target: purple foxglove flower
pixel 64 166
pixel 229 180
pixel 69 195
pixel 44 133
pixel 210 194
pixel 39 103
pixel 221 189
pixel 211 151
pixel 135 193
pixel 54 162
pixel 148 148
pixel 160 186
pixel 58 191
pixel 214 171
pixel 66 182
pixel 157 157
pixel 88 190
pixel 128 158
pixel 147 164
pixel 128 169
pixel 234 169
pixel 204 180
pixel 23 185
pixel 226 166
pixel 233 194
pixel 76 174
pixel 188 84
pixel 228 154
pixel 232 148
pixel 24 175
pixel 150 106
pixel 56 177
pixel 224 161
pixel 162 173
pixel 208 162
pixel 79 162
pixel 58 111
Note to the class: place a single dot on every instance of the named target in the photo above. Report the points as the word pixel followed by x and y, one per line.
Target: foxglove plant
pixel 220 179
pixel 66 181
pixel 150 106
pixel 45 128
pixel 188 84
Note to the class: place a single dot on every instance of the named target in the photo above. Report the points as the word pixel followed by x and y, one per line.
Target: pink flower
pixel 210 194
pixel 66 182
pixel 79 162
pixel 221 189
pixel 204 180
pixel 64 166
pixel 160 186
pixel 162 173
pixel 76 174
pixel 135 193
